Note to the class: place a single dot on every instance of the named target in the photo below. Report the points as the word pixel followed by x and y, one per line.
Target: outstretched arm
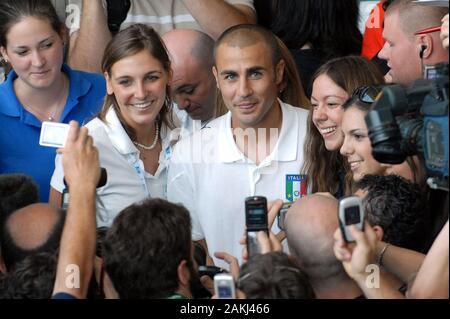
pixel 215 16
pixel 88 43
pixel 77 248
pixel 432 279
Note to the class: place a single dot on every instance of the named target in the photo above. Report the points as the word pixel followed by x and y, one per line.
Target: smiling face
pixel 248 81
pixel 138 83
pixel 356 147
pixel 35 51
pixel 400 51
pixel 326 100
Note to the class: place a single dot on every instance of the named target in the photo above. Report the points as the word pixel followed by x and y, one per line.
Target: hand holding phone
pixel 350 212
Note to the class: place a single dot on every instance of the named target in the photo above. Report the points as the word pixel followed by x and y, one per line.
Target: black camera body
pixel 414 121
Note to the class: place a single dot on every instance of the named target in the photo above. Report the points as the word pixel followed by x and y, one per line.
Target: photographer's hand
pixel 80 159
pixel 444 31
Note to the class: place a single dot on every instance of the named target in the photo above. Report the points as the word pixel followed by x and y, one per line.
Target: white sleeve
pixel 180 189
pixel 57 181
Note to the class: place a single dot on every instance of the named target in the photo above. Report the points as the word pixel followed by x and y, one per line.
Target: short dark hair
pixel 33 278
pixel 144 246
pixel 16 191
pixel 397 206
pixel 13 11
pixel 248 34
pixel 11 251
pixel 274 276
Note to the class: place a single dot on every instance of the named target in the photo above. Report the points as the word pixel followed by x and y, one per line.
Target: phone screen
pixel 256 217
pixel 352 215
pixel 224 291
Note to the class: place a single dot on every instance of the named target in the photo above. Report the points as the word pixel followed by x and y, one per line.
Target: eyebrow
pixel 129 76
pixel 249 70
pixel 40 42
pixel 327 96
pixel 356 130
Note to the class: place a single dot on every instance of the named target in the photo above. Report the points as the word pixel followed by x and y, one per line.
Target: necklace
pixel 155 140
pixel 52 117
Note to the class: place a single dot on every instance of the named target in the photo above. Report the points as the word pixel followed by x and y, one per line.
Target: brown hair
pixel 128 42
pixel 13 11
pixel 323 167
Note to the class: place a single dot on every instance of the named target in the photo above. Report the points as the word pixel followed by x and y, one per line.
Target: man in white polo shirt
pixel 254 149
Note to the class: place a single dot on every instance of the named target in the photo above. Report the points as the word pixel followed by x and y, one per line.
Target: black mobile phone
pixel 255 220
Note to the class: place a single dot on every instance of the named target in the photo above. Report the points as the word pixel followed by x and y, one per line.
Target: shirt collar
pixel 79 87
pixel 117 134
pixel 285 149
pixel 120 139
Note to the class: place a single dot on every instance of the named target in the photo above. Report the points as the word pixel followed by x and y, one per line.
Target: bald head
pixel 186 44
pixel 193 85
pixel 36 227
pixel 310 225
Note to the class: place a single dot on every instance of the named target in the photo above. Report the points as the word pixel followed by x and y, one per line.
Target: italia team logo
pixel 296 187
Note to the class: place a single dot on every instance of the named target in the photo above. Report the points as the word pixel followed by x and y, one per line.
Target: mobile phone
pixel 256 221
pixel 54 134
pixel 282 215
pixel 224 286
pixel 210 271
pixel 350 212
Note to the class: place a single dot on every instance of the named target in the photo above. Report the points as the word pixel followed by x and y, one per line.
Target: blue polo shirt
pixel 20 151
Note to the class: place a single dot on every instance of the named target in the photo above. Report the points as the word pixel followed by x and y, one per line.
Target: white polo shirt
pixel 211 177
pixel 127 180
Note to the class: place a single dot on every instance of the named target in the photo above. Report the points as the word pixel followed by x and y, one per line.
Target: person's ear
pixel 4 54
pixel 425 46
pixel 216 76
pixel 183 273
pixel 379 232
pixel 279 71
pixel 109 88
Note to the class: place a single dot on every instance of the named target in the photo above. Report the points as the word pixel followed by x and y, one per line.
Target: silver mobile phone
pixel 224 286
pixel 350 212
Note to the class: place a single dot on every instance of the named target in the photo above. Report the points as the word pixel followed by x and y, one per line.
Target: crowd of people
pixel 190 107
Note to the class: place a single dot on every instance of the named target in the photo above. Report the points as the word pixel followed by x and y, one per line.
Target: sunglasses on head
pixel 367 94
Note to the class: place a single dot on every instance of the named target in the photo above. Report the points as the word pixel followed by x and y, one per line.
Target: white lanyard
pixel 141 175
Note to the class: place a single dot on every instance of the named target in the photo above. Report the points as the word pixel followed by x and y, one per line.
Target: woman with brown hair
pixel 132 130
pixel 333 83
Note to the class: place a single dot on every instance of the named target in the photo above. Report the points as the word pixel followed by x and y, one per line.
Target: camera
pixel 224 286
pixel 282 215
pixel 255 220
pixel 350 212
pixel 414 121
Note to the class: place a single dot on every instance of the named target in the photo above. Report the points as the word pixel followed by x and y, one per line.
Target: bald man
pixel 406 52
pixel 193 86
pixel 310 225
pixel 34 228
